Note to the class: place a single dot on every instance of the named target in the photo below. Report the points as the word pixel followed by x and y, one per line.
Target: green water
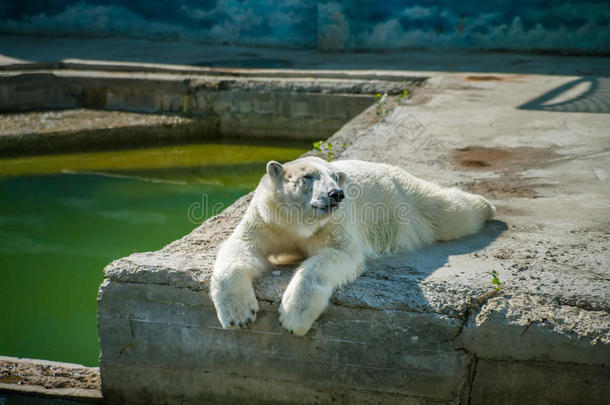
pixel 58 231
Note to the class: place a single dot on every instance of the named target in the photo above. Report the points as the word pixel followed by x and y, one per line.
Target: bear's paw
pixel 236 306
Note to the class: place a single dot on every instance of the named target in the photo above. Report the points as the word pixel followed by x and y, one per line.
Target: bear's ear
pixel 275 170
pixel 342 177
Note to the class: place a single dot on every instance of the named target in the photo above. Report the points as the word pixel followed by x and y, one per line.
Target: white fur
pixel 385 210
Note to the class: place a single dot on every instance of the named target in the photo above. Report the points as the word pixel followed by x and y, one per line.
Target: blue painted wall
pixel 568 25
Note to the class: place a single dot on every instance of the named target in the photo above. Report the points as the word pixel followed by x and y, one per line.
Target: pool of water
pixel 64 217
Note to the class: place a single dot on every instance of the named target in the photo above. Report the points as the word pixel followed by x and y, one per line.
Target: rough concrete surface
pixel 80 119
pixel 50 379
pixel 421 328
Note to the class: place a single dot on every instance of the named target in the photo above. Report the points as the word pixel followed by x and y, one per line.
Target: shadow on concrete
pixel 395 281
pixel 587 94
pixel 397 278
pixel 433 257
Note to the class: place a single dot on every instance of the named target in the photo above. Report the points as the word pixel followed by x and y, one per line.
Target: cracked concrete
pixel 49 379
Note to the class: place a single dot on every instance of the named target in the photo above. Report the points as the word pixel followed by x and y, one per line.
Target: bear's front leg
pixel 313 283
pixel 237 265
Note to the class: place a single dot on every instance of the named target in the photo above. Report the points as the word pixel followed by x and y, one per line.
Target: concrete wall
pixel 147 329
pixel 228 108
pixel 565 25
pixel 290 105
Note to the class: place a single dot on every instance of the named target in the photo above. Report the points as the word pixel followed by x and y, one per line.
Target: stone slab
pixel 391 353
pixel 50 379
pixel 539 383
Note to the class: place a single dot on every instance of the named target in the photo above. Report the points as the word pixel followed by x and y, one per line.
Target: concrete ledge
pixel 49 379
pixel 517 382
pixel 137 67
pixel 387 346
pixel 532 328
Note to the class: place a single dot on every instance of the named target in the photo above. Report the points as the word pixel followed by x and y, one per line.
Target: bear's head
pixel 310 185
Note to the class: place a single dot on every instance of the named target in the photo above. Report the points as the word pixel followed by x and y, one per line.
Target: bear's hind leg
pixel 453 213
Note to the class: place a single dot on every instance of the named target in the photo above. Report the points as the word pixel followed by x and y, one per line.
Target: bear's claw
pixel 243 323
pixel 286 329
pixel 237 306
pixel 292 323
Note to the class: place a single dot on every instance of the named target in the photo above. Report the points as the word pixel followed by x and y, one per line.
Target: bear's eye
pixel 307 177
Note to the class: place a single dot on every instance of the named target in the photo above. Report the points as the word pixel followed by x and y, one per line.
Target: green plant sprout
pixel 405 94
pixel 381 104
pixel 326 148
pixel 496 281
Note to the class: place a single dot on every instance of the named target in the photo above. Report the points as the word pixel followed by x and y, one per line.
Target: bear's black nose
pixel 336 196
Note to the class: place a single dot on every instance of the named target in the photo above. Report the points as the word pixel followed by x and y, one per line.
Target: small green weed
pixel 496 280
pixel 380 101
pixel 405 94
pixel 325 148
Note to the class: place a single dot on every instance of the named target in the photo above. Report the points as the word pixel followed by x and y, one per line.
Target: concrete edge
pixel 40 362
pixel 541 365
pixel 112 66
pixel 75 394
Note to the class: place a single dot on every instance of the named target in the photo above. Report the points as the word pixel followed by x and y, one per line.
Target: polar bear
pixel 333 215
